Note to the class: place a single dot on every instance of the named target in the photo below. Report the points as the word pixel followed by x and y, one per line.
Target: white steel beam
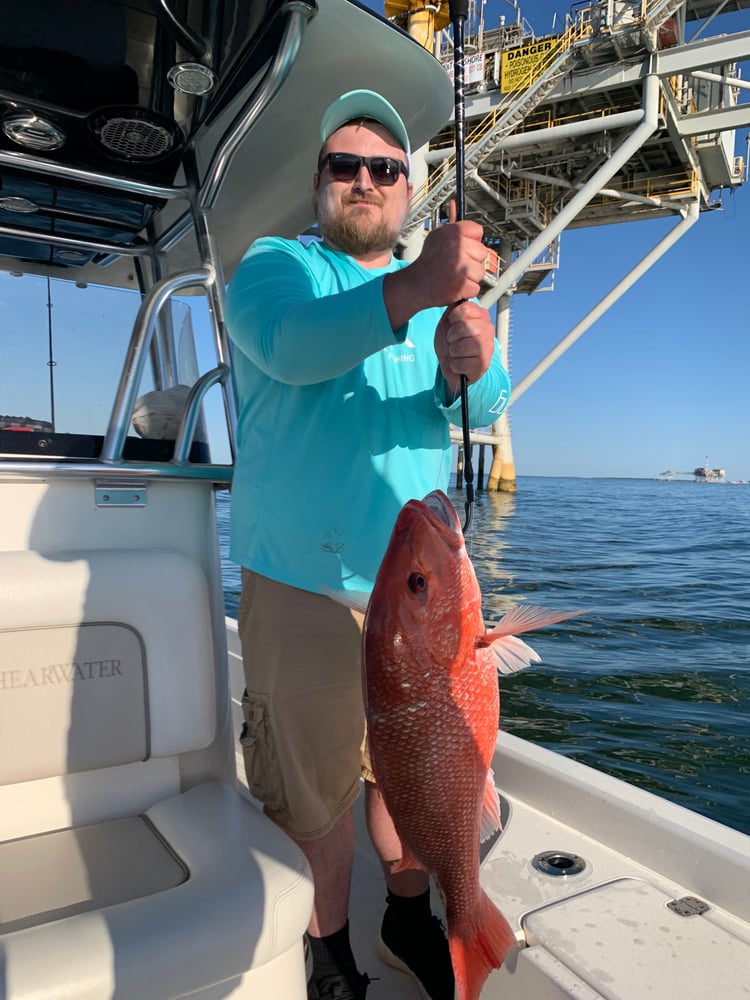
pixel 730 81
pixel 553 134
pixel 710 52
pixel 620 156
pixel 715 120
pixel 689 217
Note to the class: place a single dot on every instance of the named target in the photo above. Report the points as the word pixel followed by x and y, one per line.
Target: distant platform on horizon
pixel 700 474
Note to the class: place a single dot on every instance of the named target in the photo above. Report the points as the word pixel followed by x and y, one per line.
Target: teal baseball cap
pixel 363 104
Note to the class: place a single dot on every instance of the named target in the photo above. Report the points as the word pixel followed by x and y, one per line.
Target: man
pixel 347 366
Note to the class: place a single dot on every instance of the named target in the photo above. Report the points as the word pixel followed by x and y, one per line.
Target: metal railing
pixel 135 361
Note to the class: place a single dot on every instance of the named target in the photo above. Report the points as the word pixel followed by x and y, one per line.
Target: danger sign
pixel 523 65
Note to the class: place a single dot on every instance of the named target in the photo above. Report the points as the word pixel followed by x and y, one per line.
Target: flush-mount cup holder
pixel 558 863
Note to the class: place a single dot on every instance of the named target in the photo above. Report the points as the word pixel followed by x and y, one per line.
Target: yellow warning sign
pixel 523 65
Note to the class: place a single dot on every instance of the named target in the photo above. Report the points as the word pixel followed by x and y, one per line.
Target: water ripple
pixel 653 684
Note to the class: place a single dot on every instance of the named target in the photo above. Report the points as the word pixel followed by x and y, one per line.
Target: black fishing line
pixel 458 12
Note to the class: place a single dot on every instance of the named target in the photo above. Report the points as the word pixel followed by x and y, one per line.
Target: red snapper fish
pixel 432 714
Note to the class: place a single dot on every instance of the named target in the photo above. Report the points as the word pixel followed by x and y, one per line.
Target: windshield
pixel 63 349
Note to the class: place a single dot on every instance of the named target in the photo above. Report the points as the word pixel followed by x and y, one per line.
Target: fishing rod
pixel 459 10
pixel 51 363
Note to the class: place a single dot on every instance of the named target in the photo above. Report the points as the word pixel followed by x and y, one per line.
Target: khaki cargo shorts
pixel 304 734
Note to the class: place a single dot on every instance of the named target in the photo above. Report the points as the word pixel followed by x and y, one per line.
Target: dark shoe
pixel 421 949
pixel 308 957
pixel 338 987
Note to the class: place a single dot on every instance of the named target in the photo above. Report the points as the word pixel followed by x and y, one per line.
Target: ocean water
pixel 652 683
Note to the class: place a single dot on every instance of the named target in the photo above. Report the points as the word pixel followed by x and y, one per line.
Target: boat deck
pixel 660 905
pixel 367 906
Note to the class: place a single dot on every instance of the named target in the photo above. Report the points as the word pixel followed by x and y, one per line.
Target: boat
pixel 142 147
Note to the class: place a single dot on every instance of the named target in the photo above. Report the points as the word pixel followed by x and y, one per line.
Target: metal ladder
pixel 495 127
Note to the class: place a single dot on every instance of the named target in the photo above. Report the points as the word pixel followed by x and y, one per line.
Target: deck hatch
pixel 622 934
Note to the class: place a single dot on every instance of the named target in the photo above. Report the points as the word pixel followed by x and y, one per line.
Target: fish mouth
pixel 436 514
pixel 441 513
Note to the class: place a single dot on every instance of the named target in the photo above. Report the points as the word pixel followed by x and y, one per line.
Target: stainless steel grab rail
pixel 135 360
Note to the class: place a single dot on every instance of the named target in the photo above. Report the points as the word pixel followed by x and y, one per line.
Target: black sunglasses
pixel 384 170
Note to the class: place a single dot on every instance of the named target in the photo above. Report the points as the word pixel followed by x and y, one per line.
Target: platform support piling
pixel 502 477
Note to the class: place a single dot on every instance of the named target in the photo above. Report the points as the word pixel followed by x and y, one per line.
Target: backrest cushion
pixel 106 657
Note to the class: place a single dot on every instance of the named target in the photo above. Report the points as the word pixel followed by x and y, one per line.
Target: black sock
pixel 332 954
pixel 408 907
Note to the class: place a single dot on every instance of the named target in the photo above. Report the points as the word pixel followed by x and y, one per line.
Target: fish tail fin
pixel 474 957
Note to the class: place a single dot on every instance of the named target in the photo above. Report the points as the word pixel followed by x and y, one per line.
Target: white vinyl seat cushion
pixel 108 663
pixel 246 901
pixel 106 658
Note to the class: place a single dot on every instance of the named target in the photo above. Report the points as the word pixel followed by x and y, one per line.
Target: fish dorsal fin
pixel 511 653
pixel 490 822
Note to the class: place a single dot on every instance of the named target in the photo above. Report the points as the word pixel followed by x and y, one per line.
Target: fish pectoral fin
pixel 513 654
pixel 490 822
pixel 526 618
pixel 355 600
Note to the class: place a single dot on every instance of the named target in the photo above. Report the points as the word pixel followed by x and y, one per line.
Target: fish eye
pixel 417 583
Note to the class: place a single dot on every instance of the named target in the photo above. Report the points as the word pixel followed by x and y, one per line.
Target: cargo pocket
pixel 261 763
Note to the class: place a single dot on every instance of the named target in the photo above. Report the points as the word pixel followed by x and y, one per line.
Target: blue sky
pixel 661 380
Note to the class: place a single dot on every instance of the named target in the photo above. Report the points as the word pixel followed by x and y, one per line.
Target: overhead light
pixel 33 132
pixel 72 255
pixel 24 206
pixel 192 78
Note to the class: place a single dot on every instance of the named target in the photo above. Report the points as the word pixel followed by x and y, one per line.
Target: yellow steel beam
pixel 419 18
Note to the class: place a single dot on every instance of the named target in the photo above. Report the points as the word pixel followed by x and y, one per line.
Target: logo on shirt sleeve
pixel 397 355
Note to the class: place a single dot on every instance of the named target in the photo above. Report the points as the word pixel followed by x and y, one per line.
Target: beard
pixel 355 233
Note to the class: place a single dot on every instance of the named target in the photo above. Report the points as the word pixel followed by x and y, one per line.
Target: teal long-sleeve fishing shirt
pixel 341 420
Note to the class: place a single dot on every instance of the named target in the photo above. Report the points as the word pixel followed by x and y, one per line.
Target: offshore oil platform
pixel 701 474
pixel 628 111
